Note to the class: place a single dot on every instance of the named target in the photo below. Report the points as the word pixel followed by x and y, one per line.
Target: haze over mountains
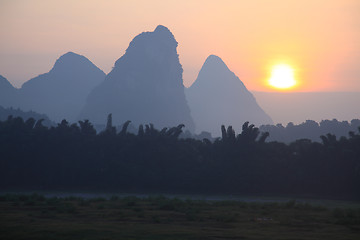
pixel 5 113
pixel 61 93
pixel 145 85
pixel 219 97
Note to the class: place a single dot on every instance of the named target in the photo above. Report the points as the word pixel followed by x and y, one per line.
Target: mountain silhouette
pixel 8 93
pixel 219 97
pixel 145 85
pixel 61 93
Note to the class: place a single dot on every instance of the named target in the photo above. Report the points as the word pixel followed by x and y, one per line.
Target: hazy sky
pixel 320 39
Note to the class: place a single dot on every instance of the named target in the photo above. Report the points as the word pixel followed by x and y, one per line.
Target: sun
pixel 282 77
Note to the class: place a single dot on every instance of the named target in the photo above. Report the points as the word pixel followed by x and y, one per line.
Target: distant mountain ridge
pixel 60 93
pixel 145 85
pixel 310 130
pixel 8 93
pixel 219 97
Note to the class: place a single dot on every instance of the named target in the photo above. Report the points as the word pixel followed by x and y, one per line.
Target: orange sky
pixel 319 38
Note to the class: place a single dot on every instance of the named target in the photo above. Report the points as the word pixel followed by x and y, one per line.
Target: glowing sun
pixel 282 77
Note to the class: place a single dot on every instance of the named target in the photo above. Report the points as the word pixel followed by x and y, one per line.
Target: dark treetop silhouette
pixel 310 130
pixel 219 97
pixel 74 157
pixel 145 85
pixel 6 112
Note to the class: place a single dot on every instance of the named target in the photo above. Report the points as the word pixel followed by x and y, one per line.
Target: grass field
pixel 37 217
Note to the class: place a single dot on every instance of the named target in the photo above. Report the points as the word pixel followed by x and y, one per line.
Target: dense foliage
pixel 5 112
pixel 310 130
pixel 75 157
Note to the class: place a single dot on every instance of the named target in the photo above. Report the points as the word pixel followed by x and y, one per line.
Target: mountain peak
pixel 70 56
pixel 70 60
pixel 61 92
pixel 164 31
pixel 214 73
pixel 149 76
pixel 213 57
pixel 219 97
pixel 213 61
pixel 154 45
pixel 161 28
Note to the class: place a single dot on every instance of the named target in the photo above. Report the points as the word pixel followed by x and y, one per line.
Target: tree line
pixel 310 130
pixel 76 157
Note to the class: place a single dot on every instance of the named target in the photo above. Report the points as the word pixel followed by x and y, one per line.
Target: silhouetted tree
pixel 87 128
pixel 109 129
pixel 141 131
pixel 74 157
pixel 124 128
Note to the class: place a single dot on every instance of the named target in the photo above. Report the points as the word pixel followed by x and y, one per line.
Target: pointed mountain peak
pixel 162 34
pixel 213 61
pixel 149 76
pixel 213 57
pixel 151 44
pixel 70 56
pixel 219 97
pixel 160 29
pixel 215 73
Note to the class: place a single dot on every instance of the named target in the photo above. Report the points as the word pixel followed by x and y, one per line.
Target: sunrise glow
pixel 282 77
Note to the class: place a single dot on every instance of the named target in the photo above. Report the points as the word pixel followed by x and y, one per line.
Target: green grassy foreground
pixel 37 217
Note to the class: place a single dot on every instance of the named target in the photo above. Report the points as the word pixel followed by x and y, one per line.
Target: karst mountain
pixel 145 85
pixel 218 97
pixel 61 93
